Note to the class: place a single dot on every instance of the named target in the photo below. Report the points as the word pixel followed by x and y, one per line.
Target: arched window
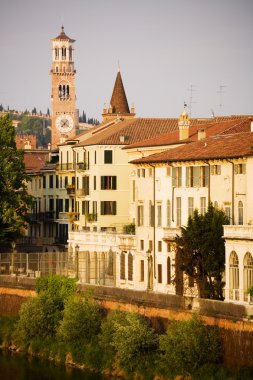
pixel 63 53
pixel 168 214
pixel 247 273
pixel 130 267
pixel 240 212
pixel 122 266
pixel 234 275
pixel 57 69
pixel 56 53
pixel 168 271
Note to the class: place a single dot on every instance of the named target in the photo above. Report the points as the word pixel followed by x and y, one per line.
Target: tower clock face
pixel 64 123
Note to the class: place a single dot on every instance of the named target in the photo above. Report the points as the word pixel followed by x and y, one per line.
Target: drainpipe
pixel 233 191
pixel 154 227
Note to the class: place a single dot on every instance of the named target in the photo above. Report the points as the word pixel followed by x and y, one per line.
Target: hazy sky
pixel 164 47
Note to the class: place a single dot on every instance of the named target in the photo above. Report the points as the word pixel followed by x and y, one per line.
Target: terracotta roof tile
pixel 35 160
pixel 215 147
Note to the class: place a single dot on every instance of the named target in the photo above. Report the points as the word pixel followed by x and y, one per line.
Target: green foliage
pixel 81 321
pixel 14 200
pixel 35 126
pixel 131 342
pixel 6 328
pixel 187 346
pixel 201 251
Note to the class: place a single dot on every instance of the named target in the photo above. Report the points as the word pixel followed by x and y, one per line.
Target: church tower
pixel 63 97
pixel 118 105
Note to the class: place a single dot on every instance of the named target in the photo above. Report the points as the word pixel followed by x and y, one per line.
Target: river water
pixel 18 367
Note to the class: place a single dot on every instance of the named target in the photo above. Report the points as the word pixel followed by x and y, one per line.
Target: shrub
pixel 6 329
pixel 187 346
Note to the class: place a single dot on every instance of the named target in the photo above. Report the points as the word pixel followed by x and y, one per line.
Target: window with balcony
pixel 122 266
pixel 85 207
pixel 108 156
pixel 197 176
pixel 108 182
pixel 108 208
pixel 130 267
pixel 86 185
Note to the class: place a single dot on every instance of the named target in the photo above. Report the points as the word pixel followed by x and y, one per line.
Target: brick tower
pixel 63 97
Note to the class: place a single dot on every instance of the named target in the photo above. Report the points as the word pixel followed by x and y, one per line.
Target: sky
pixel 170 52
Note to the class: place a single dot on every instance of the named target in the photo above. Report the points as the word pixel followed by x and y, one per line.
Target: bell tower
pixel 63 96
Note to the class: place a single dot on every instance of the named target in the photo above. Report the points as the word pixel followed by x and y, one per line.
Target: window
pixel 151 214
pixel 51 204
pixel 159 270
pixel 150 245
pixel 122 266
pixel 159 246
pixel 95 182
pixel 228 213
pixel 179 211
pixel 142 245
pixel 142 270
pixel 197 176
pixel 86 185
pixel 65 181
pixel 240 169
pixel 215 169
pixel 202 205
pixel 95 157
pixel 233 276
pixel 168 171
pixel 143 173
pixel 240 212
pixel 140 213
pixel 94 209
pixel 66 205
pixel 138 173
pixel 130 267
pixel 247 272
pixel 168 271
pixel 57 182
pixel 133 189
pixel 108 156
pixel 51 181
pixel 44 182
pixel 168 213
pixel 190 206
pixel 108 182
pixel 150 172
pixel 176 176
pixel 85 207
pixel 108 208
pixel 159 215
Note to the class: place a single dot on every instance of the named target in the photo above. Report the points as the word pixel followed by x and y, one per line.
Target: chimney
pixel 122 139
pixel 201 134
pixel 183 125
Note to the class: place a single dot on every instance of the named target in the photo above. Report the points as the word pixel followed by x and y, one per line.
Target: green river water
pixel 18 367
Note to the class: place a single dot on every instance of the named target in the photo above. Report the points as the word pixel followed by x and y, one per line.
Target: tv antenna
pixel 191 89
pixel 221 92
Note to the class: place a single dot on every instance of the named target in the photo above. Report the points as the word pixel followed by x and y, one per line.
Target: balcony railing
pixel 82 166
pixel 70 189
pixel 92 217
pixel 67 166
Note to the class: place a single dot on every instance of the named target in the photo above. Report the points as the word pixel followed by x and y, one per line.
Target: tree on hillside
pixel 35 126
pixel 14 199
pixel 200 251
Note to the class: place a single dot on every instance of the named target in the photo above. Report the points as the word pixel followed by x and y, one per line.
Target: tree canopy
pixel 14 199
pixel 200 251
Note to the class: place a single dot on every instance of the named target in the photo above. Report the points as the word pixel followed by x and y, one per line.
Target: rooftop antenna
pixel 191 89
pixel 220 92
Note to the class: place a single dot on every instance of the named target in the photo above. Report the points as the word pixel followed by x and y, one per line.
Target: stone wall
pixel 234 322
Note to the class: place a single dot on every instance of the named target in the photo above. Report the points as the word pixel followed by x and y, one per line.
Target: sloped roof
pixel 118 101
pixel 35 160
pixel 219 125
pixel 216 147
pixel 63 37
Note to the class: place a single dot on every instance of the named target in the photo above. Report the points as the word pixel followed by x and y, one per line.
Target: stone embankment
pixel 235 321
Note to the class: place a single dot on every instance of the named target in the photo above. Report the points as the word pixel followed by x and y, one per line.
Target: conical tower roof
pixel 119 102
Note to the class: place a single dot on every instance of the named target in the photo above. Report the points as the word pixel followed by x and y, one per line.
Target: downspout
pixel 233 190
pixel 154 227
